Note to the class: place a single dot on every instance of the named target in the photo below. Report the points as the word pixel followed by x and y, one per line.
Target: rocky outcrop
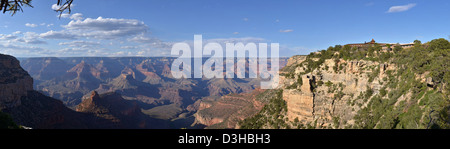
pixel 295 60
pixel 112 107
pixel 84 69
pixel 14 82
pixel 228 110
pixel 149 72
pixel 299 105
pixel 325 94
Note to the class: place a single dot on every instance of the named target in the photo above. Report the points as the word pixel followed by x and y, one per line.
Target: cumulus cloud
pixel 77 16
pixel 57 7
pixel 401 8
pixel 64 15
pixel 106 28
pixel 80 43
pixel 286 31
pixel 142 39
pixel 28 37
pixel 30 25
pixel 7 37
pixel 32 38
pixel 128 47
pixel 21 50
pixel 58 35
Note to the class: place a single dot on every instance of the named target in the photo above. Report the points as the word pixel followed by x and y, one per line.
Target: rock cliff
pixel 323 94
pixel 14 82
pixel 228 110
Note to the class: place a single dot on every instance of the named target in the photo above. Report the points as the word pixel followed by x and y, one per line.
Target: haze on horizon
pixel 149 28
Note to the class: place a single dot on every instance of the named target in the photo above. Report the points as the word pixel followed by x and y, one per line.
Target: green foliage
pixel 6 122
pixel 398 48
pixel 368 93
pixel 438 44
pixel 404 100
pixel 336 122
pixel 271 115
pixel 339 95
pixel 296 84
pixel 374 74
pixel 425 107
pixel 319 83
pixel 383 92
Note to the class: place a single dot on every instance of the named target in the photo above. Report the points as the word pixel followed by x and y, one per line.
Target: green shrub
pixel 6 122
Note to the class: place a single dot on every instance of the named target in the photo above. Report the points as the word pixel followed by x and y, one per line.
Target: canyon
pixel 105 92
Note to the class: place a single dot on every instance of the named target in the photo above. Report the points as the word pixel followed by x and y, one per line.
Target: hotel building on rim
pixel 372 43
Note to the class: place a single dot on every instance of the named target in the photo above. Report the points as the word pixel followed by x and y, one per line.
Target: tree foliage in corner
pixel 6 122
pixel 16 5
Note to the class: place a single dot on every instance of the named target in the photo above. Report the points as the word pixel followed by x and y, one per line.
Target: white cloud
pixel 17 32
pixel 80 43
pixel 63 15
pixel 58 35
pixel 76 16
pixel 286 31
pixel 31 25
pixel 56 6
pixel 21 50
pixel 7 37
pixel 129 47
pixel 245 19
pixel 28 38
pixel 142 39
pixel 32 38
pixel 106 28
pixel 401 8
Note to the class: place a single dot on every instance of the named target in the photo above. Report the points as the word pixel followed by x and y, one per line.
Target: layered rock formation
pixel 122 113
pixel 228 110
pixel 14 82
pixel 324 94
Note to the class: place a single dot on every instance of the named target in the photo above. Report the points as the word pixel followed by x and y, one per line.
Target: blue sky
pixel 150 27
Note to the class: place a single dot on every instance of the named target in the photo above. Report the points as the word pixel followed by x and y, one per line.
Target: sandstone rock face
pixel 321 104
pixel 296 60
pixel 226 111
pixel 300 105
pixel 14 82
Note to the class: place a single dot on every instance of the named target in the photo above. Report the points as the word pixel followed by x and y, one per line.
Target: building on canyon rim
pixel 373 43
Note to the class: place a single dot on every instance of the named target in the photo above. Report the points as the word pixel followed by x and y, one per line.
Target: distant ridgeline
pixel 367 85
